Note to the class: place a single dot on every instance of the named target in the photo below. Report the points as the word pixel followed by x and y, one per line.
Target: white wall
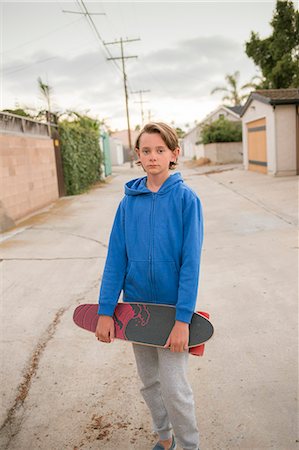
pixel 285 125
pixel 222 112
pixel 116 152
pixel 188 144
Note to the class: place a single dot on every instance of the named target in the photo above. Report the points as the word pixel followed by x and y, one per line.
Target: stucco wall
pixel 255 111
pixel 27 175
pixel 285 127
pixel 224 152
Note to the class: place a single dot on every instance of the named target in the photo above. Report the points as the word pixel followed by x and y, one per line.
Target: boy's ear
pixel 176 152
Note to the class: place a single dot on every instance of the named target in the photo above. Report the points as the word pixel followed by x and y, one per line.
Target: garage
pixel 271 132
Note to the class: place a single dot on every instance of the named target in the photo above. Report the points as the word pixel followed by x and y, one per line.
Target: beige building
pixel 190 144
pixel 270 124
pixel 123 137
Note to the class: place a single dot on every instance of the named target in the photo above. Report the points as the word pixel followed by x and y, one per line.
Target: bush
pixel 81 153
pixel 222 130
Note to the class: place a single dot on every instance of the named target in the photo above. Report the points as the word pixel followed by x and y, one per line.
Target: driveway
pixel 63 390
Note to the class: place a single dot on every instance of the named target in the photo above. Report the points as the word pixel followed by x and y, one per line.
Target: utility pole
pixel 123 58
pixel 141 101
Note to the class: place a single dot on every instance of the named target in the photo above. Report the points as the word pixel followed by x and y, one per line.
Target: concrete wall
pixel 224 152
pixel 285 128
pixel 27 175
pixel 258 110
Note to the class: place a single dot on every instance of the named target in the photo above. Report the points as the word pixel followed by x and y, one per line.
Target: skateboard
pixel 147 324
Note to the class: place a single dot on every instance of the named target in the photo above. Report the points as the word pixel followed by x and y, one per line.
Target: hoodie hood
pixel 138 185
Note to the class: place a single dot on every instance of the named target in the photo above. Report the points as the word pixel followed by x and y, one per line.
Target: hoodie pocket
pixel 166 278
pixel 137 283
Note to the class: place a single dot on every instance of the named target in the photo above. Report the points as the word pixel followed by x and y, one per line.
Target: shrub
pixel 222 130
pixel 81 153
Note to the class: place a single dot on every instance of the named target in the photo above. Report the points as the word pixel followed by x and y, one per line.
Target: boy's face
pixel 154 154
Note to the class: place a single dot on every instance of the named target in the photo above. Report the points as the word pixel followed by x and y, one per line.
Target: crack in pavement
pixel 58 231
pixel 12 423
pixel 54 259
pixel 71 234
pixel 255 202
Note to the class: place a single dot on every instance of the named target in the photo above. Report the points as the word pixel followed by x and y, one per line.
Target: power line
pixel 92 25
pixel 27 66
pixel 42 36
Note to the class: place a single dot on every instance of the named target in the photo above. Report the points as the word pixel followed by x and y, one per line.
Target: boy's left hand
pixel 178 338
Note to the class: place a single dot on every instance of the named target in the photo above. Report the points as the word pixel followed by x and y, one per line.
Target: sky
pixel 184 50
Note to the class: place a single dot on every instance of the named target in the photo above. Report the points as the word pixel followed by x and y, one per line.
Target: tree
pixel 221 130
pixel 180 133
pixel 233 92
pixel 19 112
pixel 277 56
pixel 46 92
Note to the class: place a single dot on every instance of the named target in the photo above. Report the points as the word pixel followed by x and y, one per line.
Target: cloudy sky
pixel 185 50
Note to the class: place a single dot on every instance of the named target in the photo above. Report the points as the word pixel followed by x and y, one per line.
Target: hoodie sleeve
pixel 191 254
pixel 115 266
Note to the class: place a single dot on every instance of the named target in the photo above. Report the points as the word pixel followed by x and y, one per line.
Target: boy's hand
pixel 179 337
pixel 105 329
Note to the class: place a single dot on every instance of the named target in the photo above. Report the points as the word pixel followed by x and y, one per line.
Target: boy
pixel 154 256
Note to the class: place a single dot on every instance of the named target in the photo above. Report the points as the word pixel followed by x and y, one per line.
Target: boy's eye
pixel 145 152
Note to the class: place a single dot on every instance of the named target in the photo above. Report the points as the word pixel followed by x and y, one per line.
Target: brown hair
pixel 167 133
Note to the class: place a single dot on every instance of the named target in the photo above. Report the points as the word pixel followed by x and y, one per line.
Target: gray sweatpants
pixel 168 394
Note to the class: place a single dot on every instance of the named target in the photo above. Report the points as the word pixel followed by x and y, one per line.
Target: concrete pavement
pixel 61 389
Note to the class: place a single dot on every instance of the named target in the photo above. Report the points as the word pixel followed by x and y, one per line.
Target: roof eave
pixel 254 96
pixel 285 101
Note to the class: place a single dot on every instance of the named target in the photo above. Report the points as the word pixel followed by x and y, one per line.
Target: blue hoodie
pixel 154 248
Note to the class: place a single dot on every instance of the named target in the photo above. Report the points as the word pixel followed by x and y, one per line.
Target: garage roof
pixel 273 97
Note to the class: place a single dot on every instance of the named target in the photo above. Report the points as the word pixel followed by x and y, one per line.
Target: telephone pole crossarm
pixel 122 41
pixel 141 101
pixel 84 13
pixel 120 57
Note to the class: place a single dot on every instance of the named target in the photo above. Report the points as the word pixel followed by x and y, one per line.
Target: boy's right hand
pixel 105 329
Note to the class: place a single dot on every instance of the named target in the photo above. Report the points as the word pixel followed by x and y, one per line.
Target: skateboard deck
pixel 147 324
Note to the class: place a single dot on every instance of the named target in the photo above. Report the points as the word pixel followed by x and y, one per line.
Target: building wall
pixel 224 152
pixel 189 146
pixel 285 127
pixel 27 174
pixel 258 110
pixel 222 113
pixel 116 152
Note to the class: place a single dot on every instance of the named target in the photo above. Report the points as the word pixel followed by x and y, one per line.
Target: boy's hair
pixel 167 133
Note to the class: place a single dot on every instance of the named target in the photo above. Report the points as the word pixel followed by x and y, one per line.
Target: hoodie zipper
pixel 151 255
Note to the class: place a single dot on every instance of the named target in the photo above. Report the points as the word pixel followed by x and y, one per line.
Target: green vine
pixel 81 154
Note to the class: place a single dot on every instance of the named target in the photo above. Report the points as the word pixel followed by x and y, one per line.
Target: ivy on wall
pixel 81 154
